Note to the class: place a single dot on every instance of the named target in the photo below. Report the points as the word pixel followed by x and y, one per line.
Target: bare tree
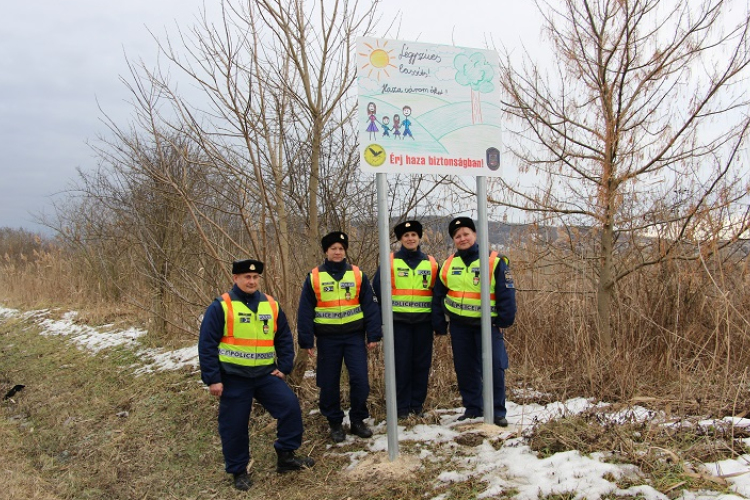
pixel 633 146
pixel 274 80
pixel 257 162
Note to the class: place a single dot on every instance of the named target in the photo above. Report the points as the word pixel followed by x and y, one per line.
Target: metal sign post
pixel 485 280
pixel 387 310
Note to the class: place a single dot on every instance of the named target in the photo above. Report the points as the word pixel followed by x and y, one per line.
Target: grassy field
pixel 87 427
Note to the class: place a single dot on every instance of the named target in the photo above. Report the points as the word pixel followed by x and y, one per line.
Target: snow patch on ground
pixel 500 459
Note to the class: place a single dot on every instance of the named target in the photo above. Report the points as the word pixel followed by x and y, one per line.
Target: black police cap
pixel 247 266
pixel 460 222
pixel 406 226
pixel 334 237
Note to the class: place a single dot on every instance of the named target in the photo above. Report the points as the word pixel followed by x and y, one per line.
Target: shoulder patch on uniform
pixel 509 279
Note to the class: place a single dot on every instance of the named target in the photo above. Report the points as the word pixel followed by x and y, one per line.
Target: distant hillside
pixel 500 233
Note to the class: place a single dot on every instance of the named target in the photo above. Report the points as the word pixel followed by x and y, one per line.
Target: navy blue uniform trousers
pixel 234 414
pixel 333 350
pixel 413 349
pixel 467 360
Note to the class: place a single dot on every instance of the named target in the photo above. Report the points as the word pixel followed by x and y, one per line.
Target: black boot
pixel 337 432
pixel 360 429
pixel 501 422
pixel 469 414
pixel 417 412
pixel 242 481
pixel 288 462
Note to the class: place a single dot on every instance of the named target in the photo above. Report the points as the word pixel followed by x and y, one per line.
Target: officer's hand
pixel 278 373
pixel 216 389
pixel 371 345
pixel 311 352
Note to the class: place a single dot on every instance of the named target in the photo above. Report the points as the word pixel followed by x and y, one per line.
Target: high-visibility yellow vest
pixel 249 337
pixel 411 289
pixel 464 289
pixel 337 302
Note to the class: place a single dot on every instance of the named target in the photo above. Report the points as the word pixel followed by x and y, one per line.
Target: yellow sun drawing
pixel 378 59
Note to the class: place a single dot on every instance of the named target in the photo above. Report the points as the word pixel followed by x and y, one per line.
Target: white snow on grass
pixel 735 471
pixel 88 337
pixel 501 459
pixel 105 337
pixel 161 360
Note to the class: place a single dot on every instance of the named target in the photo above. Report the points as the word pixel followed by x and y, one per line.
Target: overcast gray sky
pixel 60 61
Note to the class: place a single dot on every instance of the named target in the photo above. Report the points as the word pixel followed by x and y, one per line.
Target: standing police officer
pixel 336 307
pixel 246 350
pixel 457 295
pixel 413 276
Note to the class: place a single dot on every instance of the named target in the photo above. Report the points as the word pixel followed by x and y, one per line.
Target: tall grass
pixel 680 334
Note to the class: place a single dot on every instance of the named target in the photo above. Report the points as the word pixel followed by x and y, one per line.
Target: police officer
pixel 336 307
pixel 246 350
pixel 413 276
pixel 457 295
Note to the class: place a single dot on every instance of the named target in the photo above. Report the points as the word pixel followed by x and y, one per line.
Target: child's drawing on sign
pixel 378 60
pixel 445 99
pixel 384 125
pixel 475 72
pixel 407 123
pixel 371 127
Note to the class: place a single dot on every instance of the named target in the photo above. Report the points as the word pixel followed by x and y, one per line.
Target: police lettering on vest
pixel 337 302
pixel 248 337
pixel 464 289
pixel 411 290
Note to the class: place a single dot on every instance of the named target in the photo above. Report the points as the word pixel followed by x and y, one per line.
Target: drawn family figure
pixel 396 127
pixel 372 128
pixel 384 124
pixel 407 123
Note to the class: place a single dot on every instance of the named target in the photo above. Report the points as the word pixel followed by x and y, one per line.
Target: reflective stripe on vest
pixel 337 301
pixel 249 337
pixel 464 296
pixel 411 289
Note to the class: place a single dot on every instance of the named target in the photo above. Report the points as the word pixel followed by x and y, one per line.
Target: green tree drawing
pixel 475 72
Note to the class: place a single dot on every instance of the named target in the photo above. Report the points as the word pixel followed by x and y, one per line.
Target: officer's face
pixel 410 240
pixel 464 238
pixel 247 282
pixel 336 252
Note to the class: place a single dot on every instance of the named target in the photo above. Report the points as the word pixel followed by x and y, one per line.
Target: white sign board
pixel 425 108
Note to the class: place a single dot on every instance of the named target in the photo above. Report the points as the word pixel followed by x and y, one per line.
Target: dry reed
pixel 680 329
